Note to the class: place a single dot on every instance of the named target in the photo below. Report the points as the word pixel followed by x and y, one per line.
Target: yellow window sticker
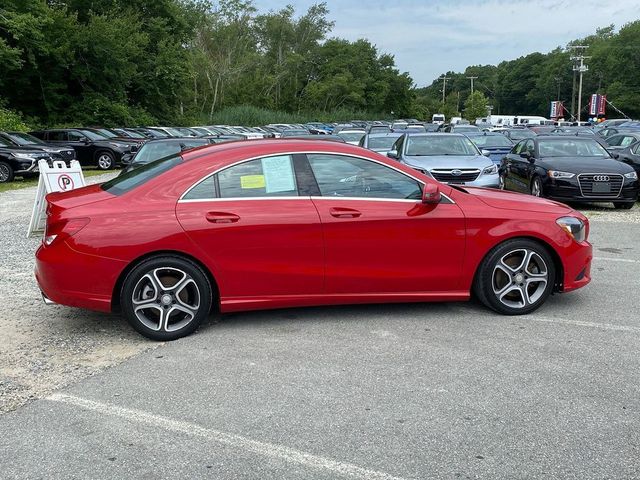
pixel 252 181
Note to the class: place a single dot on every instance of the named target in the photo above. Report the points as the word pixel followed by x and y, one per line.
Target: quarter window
pixel 264 177
pixel 342 176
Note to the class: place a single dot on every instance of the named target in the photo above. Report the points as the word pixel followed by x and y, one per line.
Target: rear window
pixel 128 181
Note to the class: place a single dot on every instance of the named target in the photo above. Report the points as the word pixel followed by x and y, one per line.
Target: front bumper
pixel 577 266
pixel 569 191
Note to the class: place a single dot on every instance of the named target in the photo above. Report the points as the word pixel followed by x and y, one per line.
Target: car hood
pixel 16 149
pixel 585 165
pixel 517 201
pixel 447 161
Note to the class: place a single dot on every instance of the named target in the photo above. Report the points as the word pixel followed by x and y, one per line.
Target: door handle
pixel 221 217
pixel 339 212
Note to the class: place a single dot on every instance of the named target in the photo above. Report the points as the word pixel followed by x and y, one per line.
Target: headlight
pixel 557 174
pixel 492 170
pixel 26 156
pixel 631 175
pixel 574 227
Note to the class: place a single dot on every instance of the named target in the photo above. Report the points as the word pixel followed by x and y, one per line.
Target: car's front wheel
pixel 106 160
pixel 166 297
pixel 536 187
pixel 516 277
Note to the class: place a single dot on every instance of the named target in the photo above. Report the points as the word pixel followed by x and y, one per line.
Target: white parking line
pixel 580 323
pixel 609 259
pixel 261 448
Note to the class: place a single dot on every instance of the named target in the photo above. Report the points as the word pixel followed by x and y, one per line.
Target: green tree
pixel 475 106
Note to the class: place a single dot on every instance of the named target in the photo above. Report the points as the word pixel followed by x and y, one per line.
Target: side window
pixel 636 149
pixel 342 176
pixel 264 177
pixel 626 141
pixel 205 190
pixel 57 136
pixel 530 147
pixel 518 148
pixel 75 137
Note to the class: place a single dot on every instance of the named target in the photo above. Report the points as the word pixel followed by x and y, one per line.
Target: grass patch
pixel 20 182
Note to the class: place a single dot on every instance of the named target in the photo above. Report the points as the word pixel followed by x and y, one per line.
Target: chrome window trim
pixel 215 172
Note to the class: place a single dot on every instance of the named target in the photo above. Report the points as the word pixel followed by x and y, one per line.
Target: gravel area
pixel 44 348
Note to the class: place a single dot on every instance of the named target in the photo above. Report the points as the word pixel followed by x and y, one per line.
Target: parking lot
pixel 391 391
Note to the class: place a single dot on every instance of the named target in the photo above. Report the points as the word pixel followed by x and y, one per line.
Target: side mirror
pixel 526 155
pixel 615 155
pixel 486 153
pixel 135 148
pixel 431 193
pixel 85 140
pixel 392 154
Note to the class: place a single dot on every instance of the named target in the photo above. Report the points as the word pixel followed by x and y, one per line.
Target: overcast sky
pixel 430 37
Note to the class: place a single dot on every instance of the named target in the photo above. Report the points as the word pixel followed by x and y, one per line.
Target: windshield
pixel 521 134
pixel 491 141
pixel 154 150
pixel 105 132
pixel 381 143
pixel 129 133
pixel 24 138
pixel 351 137
pixel 136 177
pixel 92 135
pixel 571 148
pixel 440 145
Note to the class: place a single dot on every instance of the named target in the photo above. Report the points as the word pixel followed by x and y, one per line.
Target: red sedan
pixel 291 223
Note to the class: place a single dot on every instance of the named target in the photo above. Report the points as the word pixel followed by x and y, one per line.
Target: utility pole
pixel 444 79
pixel 580 68
pixel 472 79
pixel 558 81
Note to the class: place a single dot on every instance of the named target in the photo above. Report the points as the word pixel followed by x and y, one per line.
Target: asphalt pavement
pixel 392 391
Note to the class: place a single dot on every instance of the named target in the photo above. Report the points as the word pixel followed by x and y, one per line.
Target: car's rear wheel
pixel 166 297
pixel 6 172
pixel 106 160
pixel 536 187
pixel 516 277
pixel 623 205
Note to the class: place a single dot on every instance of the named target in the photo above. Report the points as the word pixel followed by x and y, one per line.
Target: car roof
pixel 386 134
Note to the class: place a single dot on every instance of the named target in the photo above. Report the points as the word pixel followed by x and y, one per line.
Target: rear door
pixel 379 236
pixel 260 230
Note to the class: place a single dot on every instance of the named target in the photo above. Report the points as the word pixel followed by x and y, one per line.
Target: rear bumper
pixel 68 277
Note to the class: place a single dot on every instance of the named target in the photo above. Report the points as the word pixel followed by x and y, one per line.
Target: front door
pixel 379 236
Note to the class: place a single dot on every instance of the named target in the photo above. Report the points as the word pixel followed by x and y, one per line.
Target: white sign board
pixel 57 178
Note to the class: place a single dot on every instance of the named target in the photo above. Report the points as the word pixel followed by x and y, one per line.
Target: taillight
pixel 63 229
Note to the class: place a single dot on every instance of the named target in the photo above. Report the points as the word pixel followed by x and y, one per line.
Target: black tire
pixel 6 173
pixel 488 287
pixel 105 160
pixel 536 186
pixel 623 205
pixel 146 303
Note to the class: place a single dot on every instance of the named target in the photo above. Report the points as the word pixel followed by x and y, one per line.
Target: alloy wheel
pixel 166 299
pixel 520 278
pixel 4 173
pixel 536 188
pixel 104 161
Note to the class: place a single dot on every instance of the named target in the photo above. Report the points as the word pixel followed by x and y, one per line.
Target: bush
pixel 10 120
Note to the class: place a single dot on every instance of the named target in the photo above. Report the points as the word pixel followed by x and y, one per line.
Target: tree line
pixel 128 62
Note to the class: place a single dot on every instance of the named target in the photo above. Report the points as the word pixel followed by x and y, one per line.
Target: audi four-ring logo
pixel 601 178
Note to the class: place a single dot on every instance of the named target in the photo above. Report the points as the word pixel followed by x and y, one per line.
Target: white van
pixel 438 118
